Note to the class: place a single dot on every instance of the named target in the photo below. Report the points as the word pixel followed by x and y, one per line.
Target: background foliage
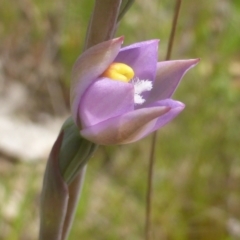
pixel 197 172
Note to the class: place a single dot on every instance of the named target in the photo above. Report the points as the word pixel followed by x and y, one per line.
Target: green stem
pixel 102 25
pixel 74 191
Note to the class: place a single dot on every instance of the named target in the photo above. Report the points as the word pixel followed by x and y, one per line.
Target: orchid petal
pixel 92 63
pixel 105 99
pixel 169 74
pixel 175 108
pixel 126 128
pixel 142 57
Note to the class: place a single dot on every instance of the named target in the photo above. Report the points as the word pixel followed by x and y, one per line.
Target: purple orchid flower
pixel 120 95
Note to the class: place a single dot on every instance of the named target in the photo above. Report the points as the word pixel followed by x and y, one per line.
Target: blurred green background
pixel 197 169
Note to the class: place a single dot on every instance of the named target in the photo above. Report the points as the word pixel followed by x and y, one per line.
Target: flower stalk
pixel 65 170
pixel 103 23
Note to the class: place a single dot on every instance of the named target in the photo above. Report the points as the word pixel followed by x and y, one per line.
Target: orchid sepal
pixel 90 65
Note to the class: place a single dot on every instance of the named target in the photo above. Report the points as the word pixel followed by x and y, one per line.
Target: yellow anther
pixel 119 71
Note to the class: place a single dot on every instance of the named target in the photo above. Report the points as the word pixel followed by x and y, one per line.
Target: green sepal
pixel 75 151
